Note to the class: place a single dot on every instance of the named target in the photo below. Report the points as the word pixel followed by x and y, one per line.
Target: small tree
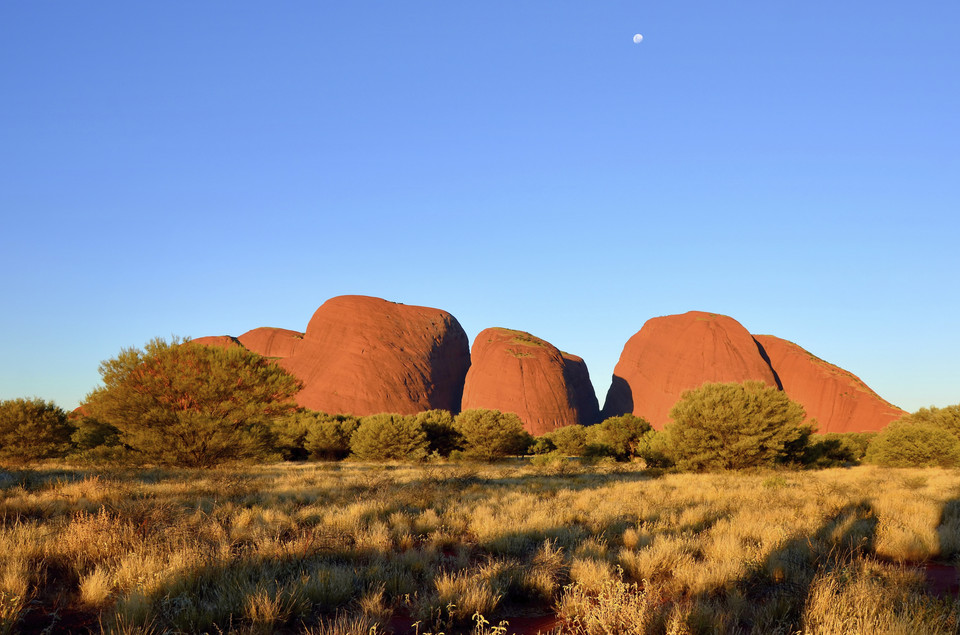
pixel 328 436
pixel 835 449
pixel 907 444
pixel 620 437
pixel 490 434
pixel 442 436
pixel 542 445
pixel 32 429
pixel 947 418
pixel 569 440
pixel 194 405
pixel 733 426
pixel 389 437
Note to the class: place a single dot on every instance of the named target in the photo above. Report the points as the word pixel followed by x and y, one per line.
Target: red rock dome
pixel 676 353
pixel 513 371
pixel 837 399
pixel 363 355
pixel 581 389
pixel 223 341
pixel 272 342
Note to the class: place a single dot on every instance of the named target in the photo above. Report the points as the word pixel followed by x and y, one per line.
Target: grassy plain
pixel 353 548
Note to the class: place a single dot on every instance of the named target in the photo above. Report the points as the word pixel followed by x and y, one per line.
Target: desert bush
pixel 389 437
pixel 290 433
pixel 835 449
pixel 904 444
pixel 187 404
pixel 96 442
pixel 442 435
pixel 542 445
pixel 947 418
pixel 653 448
pixel 733 426
pixel 328 436
pixel 89 434
pixel 619 437
pixel 490 434
pixel 569 440
pixel 32 429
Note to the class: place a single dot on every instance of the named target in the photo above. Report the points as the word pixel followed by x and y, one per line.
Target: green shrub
pixel 569 440
pixel 442 436
pixel 328 437
pixel 947 418
pixel 904 444
pixel 619 437
pixel 542 445
pixel 653 448
pixel 187 404
pixel 290 434
pixel 90 434
pixel 389 437
pixel 490 434
pixel 835 449
pixel 733 426
pixel 32 429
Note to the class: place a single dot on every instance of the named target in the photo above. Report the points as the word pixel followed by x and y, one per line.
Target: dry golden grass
pixel 343 548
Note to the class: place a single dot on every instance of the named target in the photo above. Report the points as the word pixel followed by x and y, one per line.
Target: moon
pixel 637 38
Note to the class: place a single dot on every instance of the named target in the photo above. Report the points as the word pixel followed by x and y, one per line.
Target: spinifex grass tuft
pixel 309 548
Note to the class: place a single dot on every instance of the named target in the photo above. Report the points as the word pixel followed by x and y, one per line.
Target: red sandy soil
pixel 837 399
pixel 676 353
pixel 942 579
pixel 513 371
pixel 364 355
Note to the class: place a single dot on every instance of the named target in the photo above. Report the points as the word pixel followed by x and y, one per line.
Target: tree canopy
pixel 946 418
pixel 187 404
pixel 620 437
pixel 733 426
pixel 490 434
pixel 32 429
pixel 909 444
pixel 388 436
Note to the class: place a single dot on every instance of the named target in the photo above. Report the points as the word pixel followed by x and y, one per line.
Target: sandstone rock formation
pixel 676 353
pixel 223 341
pixel 581 389
pixel 363 355
pixel 272 342
pixel 837 399
pixel 513 371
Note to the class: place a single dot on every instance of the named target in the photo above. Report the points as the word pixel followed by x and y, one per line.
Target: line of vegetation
pixel 189 405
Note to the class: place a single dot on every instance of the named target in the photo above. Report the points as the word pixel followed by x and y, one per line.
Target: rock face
pixel 581 388
pixel 223 341
pixel 837 399
pixel 272 342
pixel 513 371
pixel 363 355
pixel 676 353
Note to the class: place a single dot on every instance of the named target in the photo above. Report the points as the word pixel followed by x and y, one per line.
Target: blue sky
pixel 201 168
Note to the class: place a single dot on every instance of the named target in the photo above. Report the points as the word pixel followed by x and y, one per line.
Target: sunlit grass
pixel 346 548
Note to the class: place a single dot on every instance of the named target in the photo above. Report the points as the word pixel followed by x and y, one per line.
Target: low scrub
pixel 32 429
pixel 490 434
pixel 389 437
pixel 906 444
pixel 735 426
